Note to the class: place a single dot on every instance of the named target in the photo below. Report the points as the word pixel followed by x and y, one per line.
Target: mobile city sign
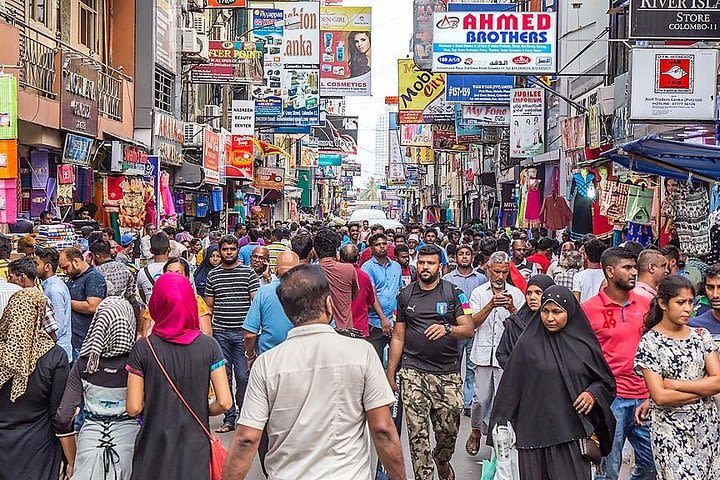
pixel 675 19
pixel 495 40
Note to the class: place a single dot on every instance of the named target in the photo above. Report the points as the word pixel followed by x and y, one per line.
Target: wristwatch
pixel 250 356
pixel 448 329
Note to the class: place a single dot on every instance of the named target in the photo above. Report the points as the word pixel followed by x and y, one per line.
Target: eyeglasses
pixel 258 257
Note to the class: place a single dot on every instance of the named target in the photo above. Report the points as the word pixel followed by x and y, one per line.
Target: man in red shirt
pixel 366 297
pixel 342 278
pixel 544 255
pixel 367 253
pixel 617 316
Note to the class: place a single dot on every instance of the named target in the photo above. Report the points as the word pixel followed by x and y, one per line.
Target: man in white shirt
pixel 150 230
pixel 160 249
pixel 492 303
pixel 587 283
pixel 316 432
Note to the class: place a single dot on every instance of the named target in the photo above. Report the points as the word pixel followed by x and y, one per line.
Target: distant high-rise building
pixel 381 144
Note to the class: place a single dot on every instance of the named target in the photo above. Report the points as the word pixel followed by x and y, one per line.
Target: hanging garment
pixel 216 200
pixel 66 174
pixel 38 202
pixel 533 205
pixel 581 191
pixel 8 159
pixel 641 234
pixel 203 204
pixel 112 191
pixel 84 183
pixel 555 213
pixel 614 201
pixel 602 225
pixel 713 257
pixel 692 220
pixel 8 201
pixel 640 205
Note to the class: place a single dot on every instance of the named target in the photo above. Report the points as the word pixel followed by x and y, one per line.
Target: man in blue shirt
pixel 386 277
pixel 246 251
pixel 710 320
pixel 354 237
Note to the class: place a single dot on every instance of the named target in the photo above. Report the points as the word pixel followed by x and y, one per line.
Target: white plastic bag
pixel 507 466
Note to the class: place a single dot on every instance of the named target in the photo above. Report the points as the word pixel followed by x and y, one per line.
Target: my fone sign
pixel 675 19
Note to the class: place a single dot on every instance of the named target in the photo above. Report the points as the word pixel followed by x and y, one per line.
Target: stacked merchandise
pixel 56 236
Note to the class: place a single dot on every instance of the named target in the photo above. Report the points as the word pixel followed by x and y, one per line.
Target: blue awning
pixel 668 158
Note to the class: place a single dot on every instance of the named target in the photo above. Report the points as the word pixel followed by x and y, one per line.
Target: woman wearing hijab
pixel 211 259
pixel 556 391
pixel 516 324
pixel 193 361
pixel 104 447
pixel 33 373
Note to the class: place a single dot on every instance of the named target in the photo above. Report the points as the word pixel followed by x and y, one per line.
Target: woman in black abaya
pixel 555 391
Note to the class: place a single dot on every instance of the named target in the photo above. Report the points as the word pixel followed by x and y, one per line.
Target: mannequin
pixel 583 194
pixel 534 199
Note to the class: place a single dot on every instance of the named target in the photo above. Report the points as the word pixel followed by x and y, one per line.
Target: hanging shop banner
pixel 351 169
pixel 421 95
pixel 226 3
pixel 166 12
pixel 168 139
pixel 9 159
pixel 421 155
pixel 492 41
pixel 333 106
pixel 445 139
pixel 242 117
pixel 471 133
pixel 527 122
pixel 239 164
pixel 338 136
pixel 8 107
pixel 483 89
pixel 423 11
pixel 346 51
pixel 290 94
pixel 310 152
pixel 231 62
pixel 211 156
pixel 134 160
pixel 77 150
pixel 416 135
pixel 675 19
pixel 327 172
pixel 269 177
pixel 326 160
pixel 594 130
pixel 396 166
pixel 484 115
pixel 572 132
pixel 79 96
pixel 672 85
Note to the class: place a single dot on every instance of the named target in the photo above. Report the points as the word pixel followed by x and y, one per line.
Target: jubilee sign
pixel 675 19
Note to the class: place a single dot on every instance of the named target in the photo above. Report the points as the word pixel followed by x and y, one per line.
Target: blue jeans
pixel 465 346
pixel 639 438
pixel 232 344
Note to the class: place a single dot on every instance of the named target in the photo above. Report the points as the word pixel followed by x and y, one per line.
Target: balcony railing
pixel 110 94
pixel 38 66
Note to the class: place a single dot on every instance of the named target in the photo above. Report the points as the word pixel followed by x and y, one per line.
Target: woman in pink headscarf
pixel 193 361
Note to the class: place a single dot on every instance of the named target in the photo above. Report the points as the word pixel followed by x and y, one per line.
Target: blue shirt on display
pixel 387 280
pixel 267 318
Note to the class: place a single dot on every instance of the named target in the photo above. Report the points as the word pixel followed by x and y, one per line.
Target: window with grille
pixel 87 23
pixel 164 90
pixel 40 11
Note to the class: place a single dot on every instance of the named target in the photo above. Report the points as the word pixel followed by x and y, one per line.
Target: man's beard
pixel 229 261
pixel 432 279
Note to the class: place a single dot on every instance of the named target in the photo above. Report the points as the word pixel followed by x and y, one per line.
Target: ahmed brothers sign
pixel 675 19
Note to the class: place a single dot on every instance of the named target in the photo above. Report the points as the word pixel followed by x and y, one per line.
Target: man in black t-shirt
pixel 431 316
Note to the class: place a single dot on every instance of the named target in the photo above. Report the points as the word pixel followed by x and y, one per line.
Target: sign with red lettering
pixel 527 122
pixel 240 157
pixel 211 156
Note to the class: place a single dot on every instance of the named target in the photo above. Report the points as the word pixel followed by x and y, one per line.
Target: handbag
pixel 590 449
pixel 217 450
pixel 507 465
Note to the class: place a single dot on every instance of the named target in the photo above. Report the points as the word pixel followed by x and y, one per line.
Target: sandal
pixel 451 475
pixel 225 429
pixel 472 446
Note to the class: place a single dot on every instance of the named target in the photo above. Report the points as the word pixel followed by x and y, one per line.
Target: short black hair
pixel 171 231
pixel 239 226
pixel 430 230
pixel 374 238
pixel 671 251
pixel 303 292
pixel 24 265
pixel 634 247
pixel 181 261
pixel 400 235
pixel 594 250
pixel 349 253
pixel 489 245
pixel 5 247
pixel 612 256
pixel 402 249
pixel 503 244
pixel 278 233
pixel 545 244
pixel 48 255
pixel 45 213
pixel 464 247
pixel 327 242
pixel 101 248
pixel 228 240
pixel 302 244
pixel 254 234
pixel 428 250
pixel 353 224
pixel 159 243
pixel 377 226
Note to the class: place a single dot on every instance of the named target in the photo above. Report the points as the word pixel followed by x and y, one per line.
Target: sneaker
pixel 466 412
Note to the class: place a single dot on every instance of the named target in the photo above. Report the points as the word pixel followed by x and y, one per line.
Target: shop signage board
pixel 345 66
pixel 242 117
pixel 416 135
pixel 396 166
pixel 445 139
pixel 310 152
pixel 290 93
pixel 8 107
pixel 211 156
pixel 527 122
pixel 422 155
pixel 231 62
pixel 675 19
pixel 673 84
pixel 269 177
pixel 77 150
pixel 494 40
pixel 226 3
pixel 168 138
pixel 79 96
pixel 421 95
pixel 481 89
pixel 241 158
pixel 484 115
pixel 166 13
pixel 339 135
pixel 135 160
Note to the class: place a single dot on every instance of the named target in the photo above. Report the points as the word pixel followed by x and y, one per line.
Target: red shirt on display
pixel 363 302
pixel 619 329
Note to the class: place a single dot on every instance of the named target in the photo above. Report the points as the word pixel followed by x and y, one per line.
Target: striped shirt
pixel 230 289
pixel 275 248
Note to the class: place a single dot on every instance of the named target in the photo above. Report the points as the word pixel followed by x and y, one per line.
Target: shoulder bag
pixel 217 450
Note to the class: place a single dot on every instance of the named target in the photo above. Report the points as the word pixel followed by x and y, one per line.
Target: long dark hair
pixel 669 288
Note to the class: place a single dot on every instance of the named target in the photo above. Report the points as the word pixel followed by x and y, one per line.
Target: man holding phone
pixel 492 303
pixel 260 262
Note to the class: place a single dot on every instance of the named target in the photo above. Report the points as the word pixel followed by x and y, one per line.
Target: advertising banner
pixel 77 150
pixel 471 133
pixel 269 177
pixel 242 117
pixel 338 136
pixel 8 107
pixel 231 62
pixel 527 122
pixel 346 51
pixel 165 34
pixel 241 158
pixel 416 135
pixel 290 93
pixel 494 41
pixel 673 85
pixel 483 89
pixel 226 3
pixel 396 166
pixel 211 156
pixel 351 169
pixel 680 19
pixel 421 95
pixel 572 131
pixel 484 115
pixel 423 11
pixel 168 138
pixel 445 139
pixel 310 152
pixel 421 155
pixel 79 97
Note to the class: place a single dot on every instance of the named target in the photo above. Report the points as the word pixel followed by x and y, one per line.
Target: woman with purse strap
pixel 556 392
pixel 169 376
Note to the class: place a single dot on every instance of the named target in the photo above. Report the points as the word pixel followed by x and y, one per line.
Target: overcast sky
pixel 391 33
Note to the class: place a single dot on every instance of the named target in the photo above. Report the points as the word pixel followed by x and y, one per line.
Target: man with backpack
pixel 432 315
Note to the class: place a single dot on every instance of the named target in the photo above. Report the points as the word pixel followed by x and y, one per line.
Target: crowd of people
pixel 312 340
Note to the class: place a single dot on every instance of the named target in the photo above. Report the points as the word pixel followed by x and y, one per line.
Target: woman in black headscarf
pixel 556 390
pixel 516 324
pixel 211 259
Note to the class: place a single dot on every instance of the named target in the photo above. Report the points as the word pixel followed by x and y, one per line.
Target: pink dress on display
pixel 533 203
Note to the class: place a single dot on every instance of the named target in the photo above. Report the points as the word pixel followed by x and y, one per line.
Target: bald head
pixel 349 253
pixel 286 261
pixel 260 259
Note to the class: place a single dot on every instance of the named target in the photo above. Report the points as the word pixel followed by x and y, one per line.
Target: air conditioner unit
pixel 193 134
pixel 212 115
pixel 202 46
pixel 188 40
pixel 199 23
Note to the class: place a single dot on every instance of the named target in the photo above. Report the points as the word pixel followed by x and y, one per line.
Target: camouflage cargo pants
pixel 426 398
